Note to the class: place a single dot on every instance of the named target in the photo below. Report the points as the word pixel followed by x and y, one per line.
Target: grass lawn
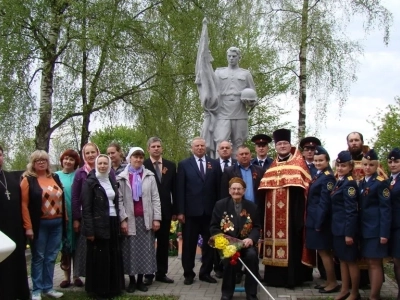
pixel 82 295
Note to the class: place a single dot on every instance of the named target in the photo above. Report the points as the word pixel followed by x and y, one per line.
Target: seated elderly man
pixel 244 224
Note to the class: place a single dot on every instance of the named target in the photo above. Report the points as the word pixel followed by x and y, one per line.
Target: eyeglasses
pixel 40 161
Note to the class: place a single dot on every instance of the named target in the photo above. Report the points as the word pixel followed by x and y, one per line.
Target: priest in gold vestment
pixel 287 262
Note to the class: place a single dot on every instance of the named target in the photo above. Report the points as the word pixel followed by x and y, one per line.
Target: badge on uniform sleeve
pixel 329 186
pixel 351 191
pixel 386 193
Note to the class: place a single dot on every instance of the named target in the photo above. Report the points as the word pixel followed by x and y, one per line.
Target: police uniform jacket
pixel 344 199
pixel 319 200
pixel 375 207
pixel 395 200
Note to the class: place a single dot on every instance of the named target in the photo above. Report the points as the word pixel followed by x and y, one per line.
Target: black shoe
pixel 131 288
pixel 226 297
pixel 164 279
pixel 207 278
pixel 334 290
pixel 148 281
pixel 219 274
pixel 141 287
pixel 318 287
pixel 188 281
pixel 345 296
pixel 251 297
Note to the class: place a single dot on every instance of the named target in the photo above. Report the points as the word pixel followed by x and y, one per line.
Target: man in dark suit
pixel 251 174
pixel 198 184
pixel 225 155
pixel 261 142
pixel 165 171
pixel 308 145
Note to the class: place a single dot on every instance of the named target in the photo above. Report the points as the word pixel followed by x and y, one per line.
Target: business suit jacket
pixel 319 200
pixel 226 207
pixel 267 163
pixel 166 188
pixel 344 199
pixel 234 171
pixel 197 196
pixel 375 208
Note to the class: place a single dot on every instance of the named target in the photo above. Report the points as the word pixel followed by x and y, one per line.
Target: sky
pixel 377 85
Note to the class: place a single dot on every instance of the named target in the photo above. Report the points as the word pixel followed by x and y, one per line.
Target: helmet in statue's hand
pixel 249 97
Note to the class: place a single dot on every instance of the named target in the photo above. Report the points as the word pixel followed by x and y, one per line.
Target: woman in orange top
pixel 43 211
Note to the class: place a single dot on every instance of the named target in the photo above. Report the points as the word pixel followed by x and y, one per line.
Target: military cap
pixel 261 139
pixel 371 155
pixel 310 141
pixel 320 150
pixel 394 154
pixel 281 135
pixel 343 156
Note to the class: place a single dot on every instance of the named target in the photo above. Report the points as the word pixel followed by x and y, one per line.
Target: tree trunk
pixel 49 54
pixel 303 71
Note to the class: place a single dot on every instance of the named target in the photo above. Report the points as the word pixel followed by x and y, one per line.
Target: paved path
pixel 205 291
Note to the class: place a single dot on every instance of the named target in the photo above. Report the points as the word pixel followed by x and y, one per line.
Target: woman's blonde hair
pixel 30 169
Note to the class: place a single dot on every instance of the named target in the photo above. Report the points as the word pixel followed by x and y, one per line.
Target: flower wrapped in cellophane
pixel 228 246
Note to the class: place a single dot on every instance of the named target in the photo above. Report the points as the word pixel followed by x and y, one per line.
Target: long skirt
pixel 138 251
pixel 104 275
pixel 80 255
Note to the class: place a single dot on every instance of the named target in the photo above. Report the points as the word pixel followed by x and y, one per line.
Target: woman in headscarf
pixel 344 198
pixel 43 213
pixel 142 215
pixel 101 223
pixel 89 153
pixel 69 160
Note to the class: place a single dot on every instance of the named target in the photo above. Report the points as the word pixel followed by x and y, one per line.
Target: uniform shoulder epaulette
pixel 244 70
pixel 349 178
pixel 327 172
pixel 380 178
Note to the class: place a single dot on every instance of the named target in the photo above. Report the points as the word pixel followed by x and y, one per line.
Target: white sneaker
pixel 36 296
pixel 53 294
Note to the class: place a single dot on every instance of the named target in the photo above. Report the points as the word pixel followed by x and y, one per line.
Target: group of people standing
pixel 109 213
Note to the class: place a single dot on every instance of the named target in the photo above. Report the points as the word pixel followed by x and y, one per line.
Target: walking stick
pixel 258 281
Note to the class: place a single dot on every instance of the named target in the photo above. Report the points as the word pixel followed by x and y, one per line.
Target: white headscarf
pixel 103 175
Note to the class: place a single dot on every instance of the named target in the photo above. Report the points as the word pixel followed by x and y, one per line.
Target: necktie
pixel 201 168
pixel 157 169
pixel 226 161
pixel 392 182
pixel 261 162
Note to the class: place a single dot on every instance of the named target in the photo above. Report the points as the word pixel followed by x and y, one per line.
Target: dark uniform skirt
pixel 372 248
pixel 318 240
pixel 345 252
pixel 395 243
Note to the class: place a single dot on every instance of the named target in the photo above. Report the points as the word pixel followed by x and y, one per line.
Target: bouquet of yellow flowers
pixel 228 246
pixel 174 234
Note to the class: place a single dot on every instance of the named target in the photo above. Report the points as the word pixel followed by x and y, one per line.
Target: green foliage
pixel 127 137
pixel 387 131
pixel 17 160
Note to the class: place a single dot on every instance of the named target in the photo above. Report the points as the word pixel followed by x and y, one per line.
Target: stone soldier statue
pixel 224 96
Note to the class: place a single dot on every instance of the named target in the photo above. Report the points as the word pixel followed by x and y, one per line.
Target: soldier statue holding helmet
pixel 225 95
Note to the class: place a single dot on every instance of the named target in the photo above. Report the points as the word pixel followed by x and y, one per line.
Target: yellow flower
pixel 229 251
pixel 174 224
pixel 221 242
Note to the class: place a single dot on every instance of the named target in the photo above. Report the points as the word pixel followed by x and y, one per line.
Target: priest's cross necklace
pixel 5 185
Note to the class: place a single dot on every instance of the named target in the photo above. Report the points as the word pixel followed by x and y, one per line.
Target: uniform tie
pixel 261 162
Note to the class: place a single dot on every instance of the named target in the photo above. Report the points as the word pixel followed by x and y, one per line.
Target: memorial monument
pixel 225 96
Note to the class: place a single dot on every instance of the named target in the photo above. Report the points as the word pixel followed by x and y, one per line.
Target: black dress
pixel 13 275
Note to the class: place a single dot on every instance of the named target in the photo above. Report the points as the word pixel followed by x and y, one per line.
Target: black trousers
pixel 162 236
pixel 190 232
pixel 250 258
